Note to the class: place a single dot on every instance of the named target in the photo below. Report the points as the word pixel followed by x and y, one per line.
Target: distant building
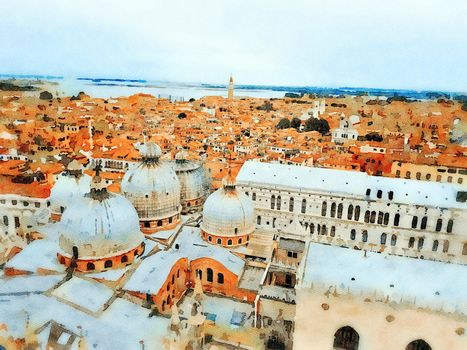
pixel 345 132
pixel 230 93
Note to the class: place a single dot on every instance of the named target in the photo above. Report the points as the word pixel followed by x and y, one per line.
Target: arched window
pixel 324 230
pixel 428 176
pixel 439 225
pixel 414 221
pixel 124 259
pixel 396 219
pixel 90 266
pixel 418 344
pixel 379 194
pixel 108 263
pixel 350 212
pixel 449 227
pixel 291 204
pixel 364 235
pixel 411 242
pixel 220 278
pixel 438 178
pixel 5 220
pixel 303 206
pixel 219 241
pixel 357 213
pixel 200 274
pixel 373 217
pixel 464 249
pixel 273 201
pixel 407 175
pixel 418 175
pixel 333 210
pixel 391 195
pixel 380 217
pixel 368 191
pixel 420 243
pixel 340 209
pixel 324 208
pixel 367 216
pixel 446 246
pixel 258 220
pixel 253 196
pixel 312 228
pixel 386 219
pixel 333 231
pixel 449 179
pixel 352 234
pixel 393 240
pixel 435 245
pixel 279 203
pixel 209 274
pixel 229 242
pixel 346 338
pixel 209 238
pixel 423 224
pixel 383 238
pixel 239 241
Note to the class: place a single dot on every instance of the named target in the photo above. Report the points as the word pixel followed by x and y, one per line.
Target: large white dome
pixel 100 227
pixel 228 212
pixel 153 186
pixel 68 187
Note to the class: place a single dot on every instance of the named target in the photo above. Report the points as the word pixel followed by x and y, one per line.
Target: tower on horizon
pixel 230 93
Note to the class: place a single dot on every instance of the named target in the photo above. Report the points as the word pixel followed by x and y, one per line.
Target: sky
pixel 416 44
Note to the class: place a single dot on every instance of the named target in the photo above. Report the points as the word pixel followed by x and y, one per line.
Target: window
pixel 368 191
pixel 423 224
pixel 373 217
pixel 420 243
pixel 108 263
pixel 396 219
pixel 209 238
pixel 379 194
pixel 428 176
pixel 124 259
pixel 352 234
pixel 219 241
pixel 407 175
pixel 357 213
pixel 303 206
pixel 258 220
pixel 291 204
pixel 380 217
pixel 14 202
pixel 449 227
pixel 17 223
pixel 340 209
pixel 460 180
pixel 383 238
pixel 390 195
pixel 229 242
pixel 324 209
pixel 159 222
pixel 333 210
pixel 364 235
pixel 411 242
pixel 220 278
pixel 278 202
pixel 386 219
pixel 147 224
pixel 449 179
pixel 5 220
pixel 25 203
pixel 239 241
pixel 273 201
pixel 464 249
pixel 209 274
pixel 253 196
pixel 312 228
pixel 435 245
pixel 445 246
pixel 90 266
pixel 418 175
pixel 393 240
pixel 439 224
pixel 333 231
pixel 414 221
pixel 350 212
pixel 398 173
pixel 292 254
pixel 438 178
pixel 324 230
pixel 367 216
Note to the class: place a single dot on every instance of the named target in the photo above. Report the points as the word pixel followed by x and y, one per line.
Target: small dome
pixel 149 150
pixel 100 226
pixel 152 186
pixel 228 212
pixel 69 185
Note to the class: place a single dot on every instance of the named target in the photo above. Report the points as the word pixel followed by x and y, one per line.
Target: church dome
pixel 154 190
pixel 70 184
pixel 228 216
pixel 100 225
pixel 194 184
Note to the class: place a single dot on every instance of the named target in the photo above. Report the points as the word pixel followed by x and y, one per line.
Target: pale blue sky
pixel 364 43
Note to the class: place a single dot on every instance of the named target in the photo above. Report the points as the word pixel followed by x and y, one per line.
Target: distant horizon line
pixel 221 85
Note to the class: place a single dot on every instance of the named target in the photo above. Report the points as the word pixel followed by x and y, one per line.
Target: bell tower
pixel 230 93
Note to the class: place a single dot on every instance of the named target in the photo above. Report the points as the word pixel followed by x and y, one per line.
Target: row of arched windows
pixel 338 211
pixel 210 275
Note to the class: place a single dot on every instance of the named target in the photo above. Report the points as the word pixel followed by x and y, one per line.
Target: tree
pixel 45 95
pixel 295 123
pixel 373 136
pixel 320 125
pixel 284 123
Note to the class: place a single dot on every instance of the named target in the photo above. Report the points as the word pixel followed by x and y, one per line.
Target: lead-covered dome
pixel 228 216
pixel 100 226
pixel 194 184
pixel 154 190
pixel 70 184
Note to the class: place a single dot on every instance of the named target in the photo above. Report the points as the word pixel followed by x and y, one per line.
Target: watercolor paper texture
pixel 227 174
